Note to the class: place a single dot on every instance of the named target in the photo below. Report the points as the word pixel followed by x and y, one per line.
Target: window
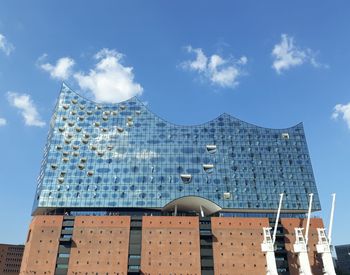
pixel 209 168
pixel 211 148
pixel 227 195
pixel 186 178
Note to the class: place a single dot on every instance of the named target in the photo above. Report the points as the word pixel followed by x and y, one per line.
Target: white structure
pixel 300 246
pixel 324 244
pixel 268 245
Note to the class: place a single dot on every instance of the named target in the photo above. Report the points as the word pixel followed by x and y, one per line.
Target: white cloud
pixel 62 70
pixel 217 70
pixel 287 55
pixel 3 121
pixel 109 81
pixel 342 111
pixel 5 46
pixel 243 60
pixel 200 63
pixel 27 108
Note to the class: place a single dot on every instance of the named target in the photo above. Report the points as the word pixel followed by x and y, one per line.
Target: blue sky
pixel 271 63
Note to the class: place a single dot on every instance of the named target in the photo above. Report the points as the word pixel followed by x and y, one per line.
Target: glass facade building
pixel 121 156
pixel 122 191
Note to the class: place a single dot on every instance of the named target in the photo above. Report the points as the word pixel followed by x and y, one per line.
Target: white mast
pixel 324 244
pixel 308 219
pixel 331 219
pixel 278 217
pixel 300 246
pixel 268 245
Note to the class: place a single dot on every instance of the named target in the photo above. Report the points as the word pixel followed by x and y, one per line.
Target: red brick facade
pixel 237 245
pixel 41 248
pixel 100 245
pixel 170 245
pixel 314 258
pixel 10 259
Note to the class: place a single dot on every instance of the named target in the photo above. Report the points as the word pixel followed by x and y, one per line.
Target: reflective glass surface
pixel 123 155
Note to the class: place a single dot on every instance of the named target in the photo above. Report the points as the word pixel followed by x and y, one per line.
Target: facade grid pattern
pixel 124 156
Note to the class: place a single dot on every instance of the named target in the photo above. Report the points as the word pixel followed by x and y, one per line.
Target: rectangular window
pixel 62 266
pixel 28 237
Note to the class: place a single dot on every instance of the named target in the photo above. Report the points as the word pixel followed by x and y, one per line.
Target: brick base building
pixel 154 245
pixel 10 259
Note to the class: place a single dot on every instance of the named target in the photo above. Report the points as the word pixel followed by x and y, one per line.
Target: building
pixel 10 258
pixel 343 258
pixel 122 191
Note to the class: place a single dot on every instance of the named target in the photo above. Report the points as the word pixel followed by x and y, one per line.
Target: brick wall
pixel 237 245
pixel 170 245
pixel 100 244
pixel 314 258
pixel 41 247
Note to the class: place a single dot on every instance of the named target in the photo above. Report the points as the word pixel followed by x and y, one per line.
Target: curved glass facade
pixel 123 156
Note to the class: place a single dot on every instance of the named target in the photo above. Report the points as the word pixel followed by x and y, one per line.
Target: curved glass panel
pixel 123 155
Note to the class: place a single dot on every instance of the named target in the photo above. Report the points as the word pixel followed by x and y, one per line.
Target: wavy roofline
pixel 300 124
